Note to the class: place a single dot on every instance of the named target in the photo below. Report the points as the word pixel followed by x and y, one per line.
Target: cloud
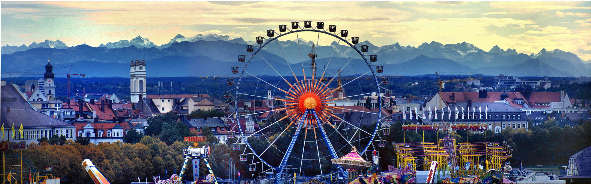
pixel 525 26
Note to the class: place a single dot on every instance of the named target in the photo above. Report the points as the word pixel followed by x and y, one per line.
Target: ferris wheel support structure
pixel 317 92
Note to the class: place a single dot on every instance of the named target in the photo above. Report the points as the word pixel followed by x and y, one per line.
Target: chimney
pixel 103 105
pixel 561 94
pixel 110 103
pixel 80 107
pixel 482 93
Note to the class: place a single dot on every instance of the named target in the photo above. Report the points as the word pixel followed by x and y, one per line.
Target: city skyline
pixel 525 26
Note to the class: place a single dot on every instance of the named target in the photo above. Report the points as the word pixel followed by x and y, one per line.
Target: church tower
pixel 49 84
pixel 137 73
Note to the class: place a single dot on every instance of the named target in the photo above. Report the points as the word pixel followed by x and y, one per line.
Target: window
pixel 168 100
pixel 162 100
pixel 141 85
pixel 108 133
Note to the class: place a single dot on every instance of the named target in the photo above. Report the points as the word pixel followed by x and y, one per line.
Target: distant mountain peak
pixel 57 44
pixel 496 50
pixel 178 36
pixel 138 42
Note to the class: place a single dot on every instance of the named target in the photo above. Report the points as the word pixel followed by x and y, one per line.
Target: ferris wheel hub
pixel 310 103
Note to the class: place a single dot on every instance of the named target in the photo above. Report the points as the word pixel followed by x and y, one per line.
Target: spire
pixel 48 70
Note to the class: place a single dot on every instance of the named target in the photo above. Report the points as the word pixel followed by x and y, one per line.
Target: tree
pixel 168 128
pixel 211 139
pixel 60 140
pixel 132 136
pixel 198 114
pixel 83 140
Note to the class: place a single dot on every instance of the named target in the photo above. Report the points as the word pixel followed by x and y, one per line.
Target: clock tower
pixel 49 84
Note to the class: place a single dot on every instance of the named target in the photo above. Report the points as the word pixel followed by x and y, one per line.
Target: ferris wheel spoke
pixel 260 130
pixel 277 72
pixel 338 73
pixel 280 134
pixel 337 131
pixel 351 110
pixel 317 151
pixel 303 150
pixel 262 112
pixel 342 86
pixel 257 96
pixel 290 146
pixel 267 83
pixel 288 64
pixel 362 94
pixel 350 124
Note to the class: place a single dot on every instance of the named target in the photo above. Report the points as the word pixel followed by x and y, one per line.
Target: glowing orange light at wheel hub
pixel 309 97
pixel 309 101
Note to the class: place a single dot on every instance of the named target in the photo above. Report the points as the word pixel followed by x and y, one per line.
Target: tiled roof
pixel 105 114
pixel 544 97
pixel 456 97
pixel 122 106
pixel 101 126
pixel 15 109
pixel 75 106
pixel 205 123
pixel 200 101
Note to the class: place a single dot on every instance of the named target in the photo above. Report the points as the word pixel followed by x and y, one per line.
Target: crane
pixel 442 82
pixel 69 75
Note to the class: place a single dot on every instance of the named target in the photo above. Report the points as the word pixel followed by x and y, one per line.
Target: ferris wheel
pixel 297 111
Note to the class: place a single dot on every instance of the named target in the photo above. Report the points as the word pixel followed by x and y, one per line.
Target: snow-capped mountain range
pixel 220 51
pixel 57 44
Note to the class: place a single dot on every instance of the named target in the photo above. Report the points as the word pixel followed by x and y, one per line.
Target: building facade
pixel 17 111
pixel 137 72
pixel 101 132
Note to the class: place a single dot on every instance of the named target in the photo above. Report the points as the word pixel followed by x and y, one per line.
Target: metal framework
pixel 305 103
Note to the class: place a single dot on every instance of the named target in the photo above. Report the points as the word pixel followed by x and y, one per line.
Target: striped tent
pixel 352 160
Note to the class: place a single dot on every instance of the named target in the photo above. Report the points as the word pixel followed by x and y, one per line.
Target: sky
pixel 525 26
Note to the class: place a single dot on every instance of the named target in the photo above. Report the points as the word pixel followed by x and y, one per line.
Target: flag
pixel 486 112
pixel 403 114
pixel 473 111
pixel 448 113
pixel 479 112
pixel 2 131
pixel 468 112
pixel 20 131
pixel 462 112
pixel 429 112
pixel 435 111
pixel 456 112
pixel 12 130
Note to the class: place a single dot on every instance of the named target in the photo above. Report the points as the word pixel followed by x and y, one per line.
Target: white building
pixel 100 132
pixel 137 86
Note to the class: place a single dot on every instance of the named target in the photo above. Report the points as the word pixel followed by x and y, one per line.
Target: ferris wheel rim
pixel 289 32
